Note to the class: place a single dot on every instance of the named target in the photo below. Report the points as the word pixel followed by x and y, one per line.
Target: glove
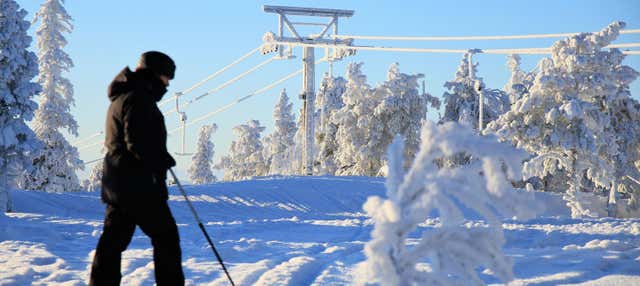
pixel 170 162
pixel 160 172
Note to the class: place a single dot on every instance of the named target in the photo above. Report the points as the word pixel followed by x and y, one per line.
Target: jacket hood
pixel 142 80
pixel 121 84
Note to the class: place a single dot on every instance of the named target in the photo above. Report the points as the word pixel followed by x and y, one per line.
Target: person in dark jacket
pixel 134 174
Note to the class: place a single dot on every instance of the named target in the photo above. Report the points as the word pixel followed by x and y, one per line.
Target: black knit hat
pixel 158 62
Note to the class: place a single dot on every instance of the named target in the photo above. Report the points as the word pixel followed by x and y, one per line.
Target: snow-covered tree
pixel 356 126
pixel 245 158
pixel 280 142
pixel 520 81
pixel 200 170
pixel 370 118
pixel 625 119
pixel 18 67
pixel 637 163
pixel 295 152
pixel 56 164
pixel 328 99
pixel 433 101
pixel 456 251
pixel 573 119
pixel 94 182
pixel 461 99
pixel 402 111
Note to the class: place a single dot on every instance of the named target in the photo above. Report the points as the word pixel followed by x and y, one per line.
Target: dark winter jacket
pixel 136 163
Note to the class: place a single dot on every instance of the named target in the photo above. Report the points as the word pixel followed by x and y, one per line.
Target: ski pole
pixel 195 214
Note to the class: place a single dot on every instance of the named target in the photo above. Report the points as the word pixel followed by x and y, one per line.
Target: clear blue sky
pixel 203 36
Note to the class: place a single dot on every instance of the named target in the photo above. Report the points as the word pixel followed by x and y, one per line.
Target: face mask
pixel 158 89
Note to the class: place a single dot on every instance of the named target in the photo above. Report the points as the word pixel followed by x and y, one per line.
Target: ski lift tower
pixel 274 43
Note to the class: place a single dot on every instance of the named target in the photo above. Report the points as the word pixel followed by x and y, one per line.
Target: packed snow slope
pixel 292 231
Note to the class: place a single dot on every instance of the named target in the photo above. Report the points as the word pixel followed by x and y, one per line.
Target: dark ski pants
pixel 156 221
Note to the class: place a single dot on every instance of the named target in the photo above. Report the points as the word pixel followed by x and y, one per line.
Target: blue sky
pixel 203 36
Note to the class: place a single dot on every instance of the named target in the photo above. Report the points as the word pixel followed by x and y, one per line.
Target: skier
pixel 135 170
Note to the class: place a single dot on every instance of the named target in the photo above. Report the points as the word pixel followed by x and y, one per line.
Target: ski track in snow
pixel 291 231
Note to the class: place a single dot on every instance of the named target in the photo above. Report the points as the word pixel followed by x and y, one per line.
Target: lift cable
pixel 469 38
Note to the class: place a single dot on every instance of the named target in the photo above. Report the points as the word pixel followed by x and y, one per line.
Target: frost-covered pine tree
pixel 295 152
pixel 461 99
pixel 573 120
pixel 328 99
pixel 94 182
pixel 56 164
pixel 370 118
pixel 433 101
pixel 356 126
pixel 520 81
pixel 266 152
pixel 402 111
pixel 200 170
pixel 456 251
pixel 281 140
pixel 625 118
pixel 18 67
pixel 245 158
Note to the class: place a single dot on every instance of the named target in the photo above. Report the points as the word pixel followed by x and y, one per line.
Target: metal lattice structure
pixel 308 58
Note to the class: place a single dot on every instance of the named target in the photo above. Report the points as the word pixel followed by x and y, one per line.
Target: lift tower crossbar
pixel 308 60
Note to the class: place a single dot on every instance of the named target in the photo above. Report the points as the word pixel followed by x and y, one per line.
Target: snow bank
pixel 293 231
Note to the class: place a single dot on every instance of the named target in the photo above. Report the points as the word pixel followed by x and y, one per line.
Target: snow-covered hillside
pixel 293 231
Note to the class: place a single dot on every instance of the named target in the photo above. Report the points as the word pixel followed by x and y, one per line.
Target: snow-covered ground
pixel 292 231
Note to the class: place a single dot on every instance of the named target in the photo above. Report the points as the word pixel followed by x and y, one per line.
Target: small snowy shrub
pixel 455 251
